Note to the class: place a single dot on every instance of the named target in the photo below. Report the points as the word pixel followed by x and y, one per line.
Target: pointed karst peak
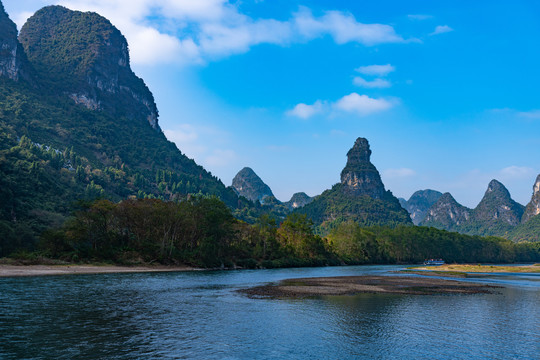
pixel 497 205
pixel 249 185
pixel 496 186
pixel 360 177
pixel 360 152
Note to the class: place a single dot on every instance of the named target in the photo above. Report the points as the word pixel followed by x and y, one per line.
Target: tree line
pixel 202 231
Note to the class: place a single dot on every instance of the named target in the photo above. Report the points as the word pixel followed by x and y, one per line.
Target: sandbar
pixel 43 270
pixel 477 268
pixel 352 285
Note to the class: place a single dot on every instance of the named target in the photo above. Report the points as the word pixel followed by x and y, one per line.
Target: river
pixel 199 315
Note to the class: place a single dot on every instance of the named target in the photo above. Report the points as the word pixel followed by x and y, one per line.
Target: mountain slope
pixel 446 214
pixel 359 197
pixel 13 62
pixel 496 214
pixel 55 150
pixel 533 207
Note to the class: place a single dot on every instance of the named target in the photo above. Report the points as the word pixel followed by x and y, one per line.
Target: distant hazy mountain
pixel 419 203
pixel 496 214
pixel 360 196
pixel 249 185
pixel 446 214
pixel 298 200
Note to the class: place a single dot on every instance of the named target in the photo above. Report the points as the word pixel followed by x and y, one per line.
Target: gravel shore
pixel 42 270
pixel 351 285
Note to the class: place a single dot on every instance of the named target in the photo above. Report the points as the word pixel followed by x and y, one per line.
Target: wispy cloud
pixel 376 70
pixel 377 83
pixel 419 17
pixel 441 29
pixel 305 111
pixel 398 173
pixel 517 172
pixel 220 158
pixel 532 114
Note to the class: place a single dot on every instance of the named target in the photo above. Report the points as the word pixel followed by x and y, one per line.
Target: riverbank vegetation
pixel 201 231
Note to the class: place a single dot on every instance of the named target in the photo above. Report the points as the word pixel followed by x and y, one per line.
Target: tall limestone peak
pixel 298 200
pixel 359 197
pixel 360 177
pixel 419 203
pixel 13 62
pixel 249 185
pixel 497 205
pixel 446 213
pixel 84 56
pixel 533 207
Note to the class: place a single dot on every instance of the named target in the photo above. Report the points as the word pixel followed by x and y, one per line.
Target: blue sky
pixel 446 92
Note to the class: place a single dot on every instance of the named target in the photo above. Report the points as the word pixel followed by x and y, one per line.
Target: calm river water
pixel 198 315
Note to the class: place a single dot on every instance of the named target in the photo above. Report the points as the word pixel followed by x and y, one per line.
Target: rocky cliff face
pixel 249 185
pixel 498 206
pixel 87 59
pixel 298 200
pixel 419 204
pixel 360 177
pixel 446 213
pixel 533 207
pixel 13 63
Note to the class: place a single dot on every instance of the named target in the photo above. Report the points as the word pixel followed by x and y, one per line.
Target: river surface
pixel 199 315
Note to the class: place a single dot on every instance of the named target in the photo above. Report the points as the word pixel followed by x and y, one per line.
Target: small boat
pixel 434 262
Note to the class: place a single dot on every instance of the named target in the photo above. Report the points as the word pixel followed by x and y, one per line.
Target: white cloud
pixel 419 17
pixel 376 70
pixel 197 31
pixel 344 28
pixel 305 111
pixel 362 105
pixel 441 29
pixel 377 83
pixel 398 173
